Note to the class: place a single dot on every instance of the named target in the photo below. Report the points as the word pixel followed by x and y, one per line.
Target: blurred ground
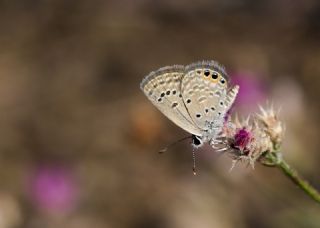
pixel 79 141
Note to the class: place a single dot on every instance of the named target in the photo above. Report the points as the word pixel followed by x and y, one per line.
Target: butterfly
pixel 195 97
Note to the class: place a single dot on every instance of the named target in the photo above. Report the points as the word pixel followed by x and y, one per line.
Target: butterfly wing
pixel 205 92
pixel 162 87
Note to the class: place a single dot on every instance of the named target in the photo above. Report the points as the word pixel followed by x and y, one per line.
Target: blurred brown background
pixel 79 141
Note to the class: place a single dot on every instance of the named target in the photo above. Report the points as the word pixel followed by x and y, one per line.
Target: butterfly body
pixel 195 97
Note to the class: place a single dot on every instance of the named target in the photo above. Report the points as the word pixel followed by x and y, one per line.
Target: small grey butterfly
pixel 195 97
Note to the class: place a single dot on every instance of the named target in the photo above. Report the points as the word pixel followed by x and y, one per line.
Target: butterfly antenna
pixel 194 162
pixel 174 143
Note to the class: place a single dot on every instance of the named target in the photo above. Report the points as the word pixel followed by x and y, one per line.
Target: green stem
pixel 300 181
pixel 293 175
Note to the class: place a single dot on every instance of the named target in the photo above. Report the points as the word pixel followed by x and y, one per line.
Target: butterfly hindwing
pixel 204 90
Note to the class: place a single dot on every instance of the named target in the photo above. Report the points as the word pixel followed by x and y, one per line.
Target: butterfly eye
pixel 214 75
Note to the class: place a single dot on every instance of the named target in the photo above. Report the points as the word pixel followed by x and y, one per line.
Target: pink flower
pixel 242 138
pixel 252 92
pixel 251 139
pixel 53 189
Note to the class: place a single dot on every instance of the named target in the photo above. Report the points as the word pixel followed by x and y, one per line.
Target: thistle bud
pixel 252 138
pixel 273 126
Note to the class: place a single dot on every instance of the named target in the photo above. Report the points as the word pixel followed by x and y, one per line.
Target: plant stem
pixel 274 160
pixel 298 180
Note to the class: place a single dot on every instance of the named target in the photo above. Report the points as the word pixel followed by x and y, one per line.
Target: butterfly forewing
pixel 163 88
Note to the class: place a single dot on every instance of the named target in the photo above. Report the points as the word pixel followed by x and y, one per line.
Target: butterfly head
pixel 197 141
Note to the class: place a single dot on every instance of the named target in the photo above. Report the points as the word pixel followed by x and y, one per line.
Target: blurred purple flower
pixel 252 90
pixel 53 188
